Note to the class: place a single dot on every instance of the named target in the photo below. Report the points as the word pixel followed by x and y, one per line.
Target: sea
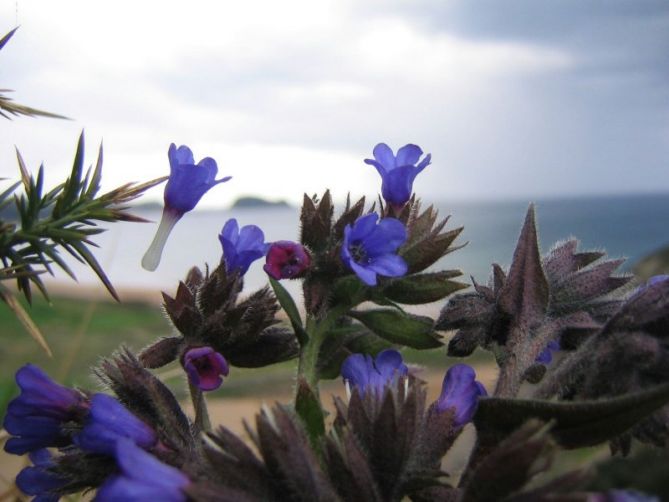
pixel 628 226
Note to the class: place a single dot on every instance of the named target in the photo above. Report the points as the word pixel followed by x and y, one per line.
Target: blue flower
pixel 369 374
pixel 37 415
pixel 38 480
pixel 460 392
pixel 369 248
pixel 142 477
pixel 546 355
pixel 398 171
pixel 241 247
pixel 187 184
pixel 110 421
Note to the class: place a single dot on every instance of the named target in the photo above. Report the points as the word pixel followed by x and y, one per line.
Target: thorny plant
pixel 582 361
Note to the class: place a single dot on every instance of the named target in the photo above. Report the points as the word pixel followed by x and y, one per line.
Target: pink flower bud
pixel 287 260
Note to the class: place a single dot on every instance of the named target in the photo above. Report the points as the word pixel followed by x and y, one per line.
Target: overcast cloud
pixel 513 99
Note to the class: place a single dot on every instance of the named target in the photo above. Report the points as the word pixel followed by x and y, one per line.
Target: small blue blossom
pixel 546 355
pixel 398 171
pixel 241 247
pixel 367 374
pixel 142 477
pixel 110 421
pixel 38 480
pixel 460 392
pixel 37 415
pixel 187 183
pixel 369 248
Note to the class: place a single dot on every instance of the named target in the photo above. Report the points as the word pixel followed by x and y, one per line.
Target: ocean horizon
pixel 626 226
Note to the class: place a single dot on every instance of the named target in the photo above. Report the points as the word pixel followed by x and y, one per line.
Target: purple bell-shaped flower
pixel 187 184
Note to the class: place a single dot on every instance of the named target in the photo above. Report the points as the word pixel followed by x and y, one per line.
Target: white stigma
pixel 151 258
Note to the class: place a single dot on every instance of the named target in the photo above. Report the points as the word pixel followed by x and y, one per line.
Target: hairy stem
pixel 202 422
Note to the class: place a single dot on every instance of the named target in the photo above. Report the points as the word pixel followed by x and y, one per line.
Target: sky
pixel 514 99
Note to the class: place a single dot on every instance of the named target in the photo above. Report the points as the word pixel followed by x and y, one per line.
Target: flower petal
pixel 388 235
pixel 366 275
pixel 389 363
pixel 408 155
pixel 362 227
pixel 384 156
pixel 180 156
pixel 389 265
pixel 209 166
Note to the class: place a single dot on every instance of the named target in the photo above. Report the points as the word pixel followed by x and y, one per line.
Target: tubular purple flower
pixel 369 248
pixel 204 367
pixel 369 374
pixel 241 247
pixel 142 477
pixel 110 421
pixel 36 417
pixel 286 260
pixel 398 171
pixel 460 392
pixel 187 184
pixel 38 480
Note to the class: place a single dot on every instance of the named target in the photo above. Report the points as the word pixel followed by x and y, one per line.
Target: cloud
pixel 531 98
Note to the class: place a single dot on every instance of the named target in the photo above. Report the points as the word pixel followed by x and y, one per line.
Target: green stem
pixel 202 422
pixel 317 332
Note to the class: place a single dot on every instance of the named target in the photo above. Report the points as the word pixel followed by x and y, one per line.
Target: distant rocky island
pixel 252 202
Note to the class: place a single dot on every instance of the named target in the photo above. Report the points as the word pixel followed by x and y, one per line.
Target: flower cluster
pixel 358 271
pixel 47 414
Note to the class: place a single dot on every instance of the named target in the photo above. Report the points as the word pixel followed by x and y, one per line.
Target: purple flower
pixel 204 367
pixel 142 477
pixel 187 184
pixel 369 248
pixel 546 355
pixel 373 374
pixel 460 392
pixel 38 480
pixel 241 247
pixel 37 415
pixel 398 171
pixel 286 260
pixel 110 421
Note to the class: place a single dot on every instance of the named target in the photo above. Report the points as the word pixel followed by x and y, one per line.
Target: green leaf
pixel 83 251
pixel 288 305
pixel 577 424
pixel 308 408
pixel 399 327
pixel 349 291
pixel 423 288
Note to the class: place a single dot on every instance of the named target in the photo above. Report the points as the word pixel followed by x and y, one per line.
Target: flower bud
pixel 287 260
pixel 204 367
